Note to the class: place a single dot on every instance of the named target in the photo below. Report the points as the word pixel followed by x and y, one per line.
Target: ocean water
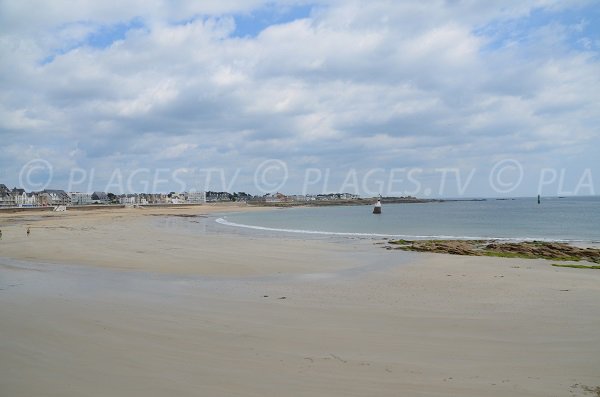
pixel 575 219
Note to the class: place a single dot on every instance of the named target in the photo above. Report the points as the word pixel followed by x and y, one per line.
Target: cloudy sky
pixel 439 98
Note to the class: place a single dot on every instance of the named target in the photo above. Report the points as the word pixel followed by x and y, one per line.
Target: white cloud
pixel 402 82
pixel 176 151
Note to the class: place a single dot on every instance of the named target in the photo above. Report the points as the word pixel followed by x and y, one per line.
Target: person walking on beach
pixel 28 231
pixel 0 234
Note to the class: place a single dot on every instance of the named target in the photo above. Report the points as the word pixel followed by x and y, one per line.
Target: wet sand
pixel 109 303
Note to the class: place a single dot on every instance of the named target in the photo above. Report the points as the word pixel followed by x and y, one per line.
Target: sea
pixel 567 219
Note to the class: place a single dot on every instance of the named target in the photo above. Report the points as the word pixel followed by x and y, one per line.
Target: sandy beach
pixel 136 302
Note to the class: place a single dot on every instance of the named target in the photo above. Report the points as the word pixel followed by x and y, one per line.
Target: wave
pixel 225 222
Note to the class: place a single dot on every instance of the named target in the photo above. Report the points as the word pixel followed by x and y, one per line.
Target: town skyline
pixel 18 197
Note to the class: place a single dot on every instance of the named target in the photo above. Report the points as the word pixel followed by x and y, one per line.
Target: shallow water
pixel 575 219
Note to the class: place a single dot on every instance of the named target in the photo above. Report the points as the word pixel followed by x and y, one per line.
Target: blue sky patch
pixel 251 24
pixel 108 34
pixel 102 37
pixel 582 28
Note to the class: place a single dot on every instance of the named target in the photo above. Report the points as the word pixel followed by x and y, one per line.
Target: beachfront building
pixel 78 198
pixel 276 198
pixel 161 198
pixel 128 199
pixel 17 192
pixel 6 197
pixel 24 199
pixel 145 198
pixel 18 197
pixel 347 196
pixel 176 198
pixel 336 196
pixel 218 196
pixel 53 197
pixel 196 197
pixel 155 198
pixel 100 198
pixel 31 200
pixel 302 198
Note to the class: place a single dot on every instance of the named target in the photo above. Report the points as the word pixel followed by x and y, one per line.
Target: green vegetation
pixel 522 250
pixel 509 255
pixel 400 242
pixel 524 255
pixel 574 266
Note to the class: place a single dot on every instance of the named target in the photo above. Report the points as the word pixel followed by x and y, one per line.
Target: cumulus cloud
pixel 349 84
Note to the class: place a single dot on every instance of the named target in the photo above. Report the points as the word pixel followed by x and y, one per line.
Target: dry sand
pixel 132 239
pixel 164 311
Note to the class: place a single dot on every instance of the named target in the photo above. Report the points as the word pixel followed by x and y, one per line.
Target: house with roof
pixel 78 198
pixel 6 197
pixel 30 200
pixel 53 197
pixel 100 198
pixel 217 196
pixel 276 198
pixel 128 199
pixel 196 197
pixel 24 199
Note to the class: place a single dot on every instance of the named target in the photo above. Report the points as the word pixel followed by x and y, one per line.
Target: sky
pixel 446 98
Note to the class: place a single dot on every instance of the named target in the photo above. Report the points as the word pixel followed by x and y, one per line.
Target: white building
pixel 275 198
pixel 26 200
pixel 128 200
pixel 301 198
pixel 78 198
pixel 196 197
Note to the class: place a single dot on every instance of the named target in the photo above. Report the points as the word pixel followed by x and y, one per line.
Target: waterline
pixel 225 222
